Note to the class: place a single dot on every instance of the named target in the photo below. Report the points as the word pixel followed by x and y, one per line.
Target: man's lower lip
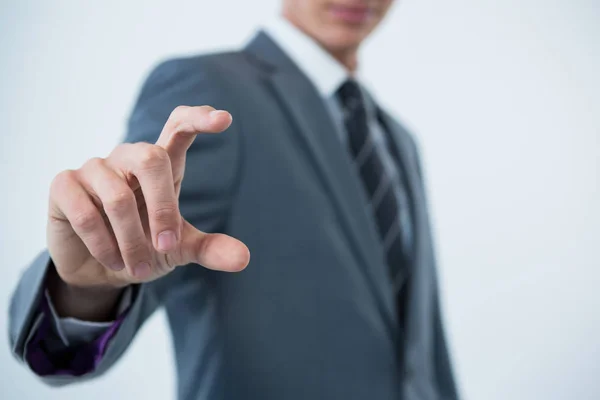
pixel 350 15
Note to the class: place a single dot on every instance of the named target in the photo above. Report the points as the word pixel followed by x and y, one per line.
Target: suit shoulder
pixel 211 66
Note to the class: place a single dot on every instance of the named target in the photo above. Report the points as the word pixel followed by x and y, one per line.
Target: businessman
pixel 309 175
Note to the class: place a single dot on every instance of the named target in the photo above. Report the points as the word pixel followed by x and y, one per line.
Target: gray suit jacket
pixel 312 317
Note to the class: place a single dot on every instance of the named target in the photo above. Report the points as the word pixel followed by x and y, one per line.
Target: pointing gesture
pixel 116 221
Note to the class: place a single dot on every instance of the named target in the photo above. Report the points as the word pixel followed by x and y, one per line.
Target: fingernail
pixel 141 270
pixel 166 240
pixel 118 266
pixel 215 114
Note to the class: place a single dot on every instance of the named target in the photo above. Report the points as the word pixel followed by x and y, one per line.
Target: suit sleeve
pixel 207 189
pixel 444 373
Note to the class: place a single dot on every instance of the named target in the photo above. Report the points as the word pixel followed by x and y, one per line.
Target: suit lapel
pixel 419 335
pixel 309 114
pixel 404 152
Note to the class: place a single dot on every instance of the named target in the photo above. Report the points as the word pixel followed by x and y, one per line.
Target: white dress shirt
pixel 327 74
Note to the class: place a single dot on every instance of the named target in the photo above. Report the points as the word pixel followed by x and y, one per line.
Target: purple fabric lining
pixel 73 361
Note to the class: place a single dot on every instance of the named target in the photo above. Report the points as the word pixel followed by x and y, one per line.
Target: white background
pixel 503 95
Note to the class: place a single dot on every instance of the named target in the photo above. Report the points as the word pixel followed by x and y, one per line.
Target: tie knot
pixel 350 95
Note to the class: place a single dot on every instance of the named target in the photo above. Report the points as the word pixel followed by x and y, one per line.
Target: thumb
pixel 213 250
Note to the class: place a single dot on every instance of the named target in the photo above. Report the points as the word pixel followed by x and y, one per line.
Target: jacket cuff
pixel 47 357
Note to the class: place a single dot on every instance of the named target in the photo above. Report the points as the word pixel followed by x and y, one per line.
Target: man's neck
pixel 346 57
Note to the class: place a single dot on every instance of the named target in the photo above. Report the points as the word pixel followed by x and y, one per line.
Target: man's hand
pixel 116 221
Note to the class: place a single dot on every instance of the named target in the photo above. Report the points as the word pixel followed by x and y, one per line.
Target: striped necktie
pixel 378 185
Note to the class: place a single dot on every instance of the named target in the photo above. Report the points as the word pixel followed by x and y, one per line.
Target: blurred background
pixel 504 97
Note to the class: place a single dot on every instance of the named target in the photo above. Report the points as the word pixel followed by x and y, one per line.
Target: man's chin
pixel 345 38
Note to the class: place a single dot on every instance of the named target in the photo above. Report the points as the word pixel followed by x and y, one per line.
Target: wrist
pixel 94 304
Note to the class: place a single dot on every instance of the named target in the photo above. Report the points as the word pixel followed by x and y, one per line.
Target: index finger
pixel 184 124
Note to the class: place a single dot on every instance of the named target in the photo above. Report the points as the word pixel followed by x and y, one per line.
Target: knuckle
pixel 165 212
pixel 62 180
pixel 86 221
pixel 136 249
pixel 177 111
pixel 169 263
pixel 93 163
pixel 153 157
pixel 178 119
pixel 119 202
pixel 105 253
pixel 206 108
pixel 122 148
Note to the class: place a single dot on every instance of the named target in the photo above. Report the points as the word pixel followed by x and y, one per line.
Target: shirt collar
pixel 324 71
